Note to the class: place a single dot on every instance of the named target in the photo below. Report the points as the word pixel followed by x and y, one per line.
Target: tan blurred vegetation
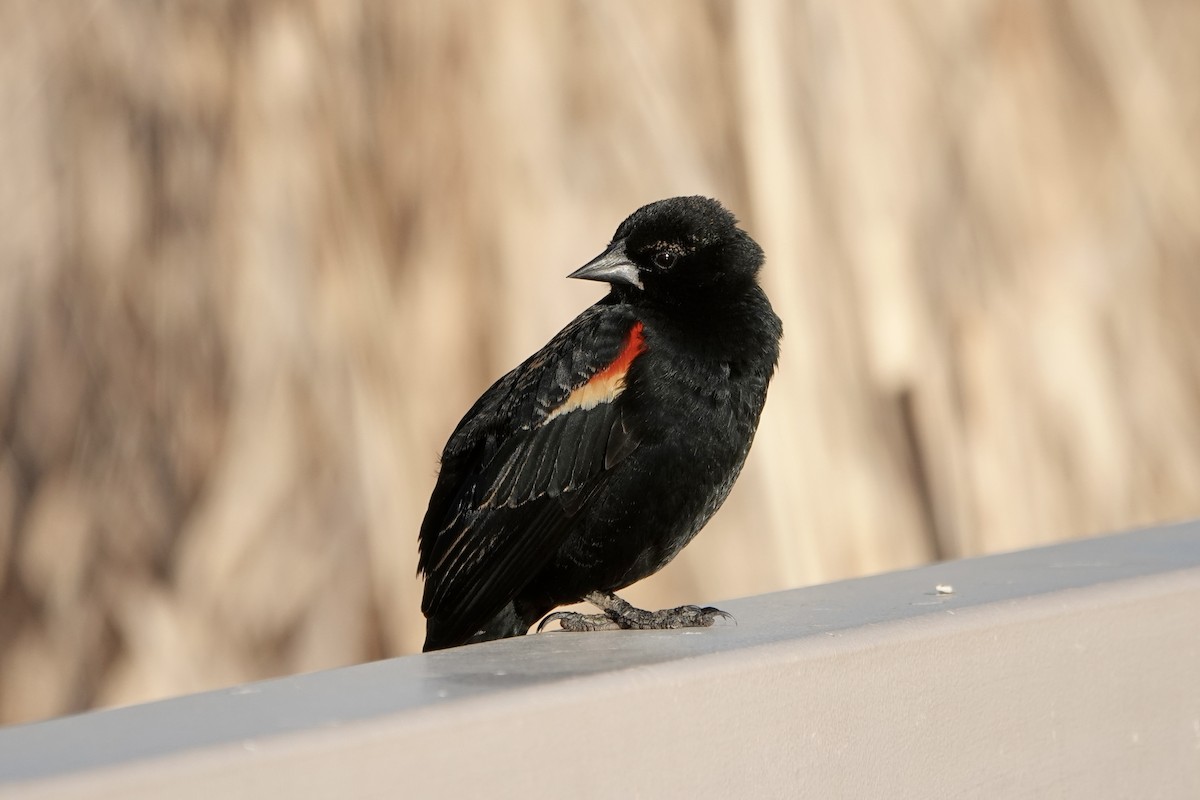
pixel 256 258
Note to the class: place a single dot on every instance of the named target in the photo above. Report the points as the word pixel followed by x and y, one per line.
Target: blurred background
pixel 257 258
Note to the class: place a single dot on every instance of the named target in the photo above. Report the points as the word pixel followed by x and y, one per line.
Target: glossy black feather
pixel 496 514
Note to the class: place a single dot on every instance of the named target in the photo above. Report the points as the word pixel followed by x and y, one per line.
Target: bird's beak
pixel 612 266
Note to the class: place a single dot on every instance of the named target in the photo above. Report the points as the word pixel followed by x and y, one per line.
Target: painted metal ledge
pixel 1065 671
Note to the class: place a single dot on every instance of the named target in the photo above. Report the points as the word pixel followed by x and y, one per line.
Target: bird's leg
pixel 620 614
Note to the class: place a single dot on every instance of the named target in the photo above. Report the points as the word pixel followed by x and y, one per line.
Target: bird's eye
pixel 665 259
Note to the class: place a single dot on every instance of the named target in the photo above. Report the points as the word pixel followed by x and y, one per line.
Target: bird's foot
pixel 577 623
pixel 619 614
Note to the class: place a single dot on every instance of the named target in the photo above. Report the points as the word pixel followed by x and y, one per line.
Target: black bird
pixel 592 464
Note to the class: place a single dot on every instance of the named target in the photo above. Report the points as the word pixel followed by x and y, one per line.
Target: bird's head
pixel 676 248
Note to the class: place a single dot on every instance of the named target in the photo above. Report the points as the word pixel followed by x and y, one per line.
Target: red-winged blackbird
pixel 593 463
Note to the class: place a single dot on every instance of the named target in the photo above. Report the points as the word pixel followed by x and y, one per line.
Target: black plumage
pixel 592 464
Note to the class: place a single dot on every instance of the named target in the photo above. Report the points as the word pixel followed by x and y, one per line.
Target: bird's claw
pixel 688 617
pixel 713 614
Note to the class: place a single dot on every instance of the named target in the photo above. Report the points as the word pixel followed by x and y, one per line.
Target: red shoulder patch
pixel 607 384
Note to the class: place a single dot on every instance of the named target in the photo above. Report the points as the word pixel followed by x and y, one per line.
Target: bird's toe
pixel 575 622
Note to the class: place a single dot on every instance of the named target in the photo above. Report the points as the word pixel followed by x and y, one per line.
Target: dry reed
pixel 256 258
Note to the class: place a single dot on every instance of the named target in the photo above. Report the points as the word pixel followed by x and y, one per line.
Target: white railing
pixel 1065 671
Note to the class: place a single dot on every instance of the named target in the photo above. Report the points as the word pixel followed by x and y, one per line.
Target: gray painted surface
pixel 1067 671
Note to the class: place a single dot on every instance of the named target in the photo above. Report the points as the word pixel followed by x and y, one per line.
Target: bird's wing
pixel 522 462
